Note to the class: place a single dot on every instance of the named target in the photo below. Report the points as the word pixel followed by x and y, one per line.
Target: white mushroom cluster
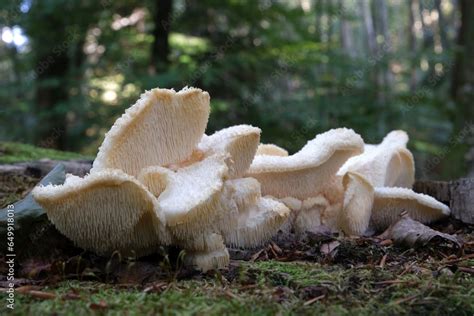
pixel 338 181
pixel 159 180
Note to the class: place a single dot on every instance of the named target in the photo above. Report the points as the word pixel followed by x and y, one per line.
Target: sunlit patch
pixel 424 65
pixel 109 96
pixel 14 35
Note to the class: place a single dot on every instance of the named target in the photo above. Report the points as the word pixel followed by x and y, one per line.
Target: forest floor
pixel 311 274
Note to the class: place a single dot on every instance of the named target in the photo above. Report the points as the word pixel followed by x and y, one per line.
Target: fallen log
pixel 40 168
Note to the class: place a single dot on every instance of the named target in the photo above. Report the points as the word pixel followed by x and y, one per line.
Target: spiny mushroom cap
pixel 271 150
pixel 162 127
pixel 356 211
pixel 390 202
pixel 191 197
pixel 239 141
pixel 310 171
pixel 105 211
pixel 258 223
pixel 389 164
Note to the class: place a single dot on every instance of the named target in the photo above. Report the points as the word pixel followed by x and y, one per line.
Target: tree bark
pixel 346 34
pixel 458 194
pixel 162 18
pixel 318 12
pixel 368 25
pixel 442 25
pixel 462 86
pixel 412 44
pixel 386 46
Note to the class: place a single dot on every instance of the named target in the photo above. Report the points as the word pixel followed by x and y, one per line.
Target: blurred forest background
pixel 294 68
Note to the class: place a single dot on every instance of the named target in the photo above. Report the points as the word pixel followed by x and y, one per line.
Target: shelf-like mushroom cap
pixel 390 202
pixel 161 128
pixel 271 150
pixel 388 164
pixel 258 223
pixel 310 171
pixel 191 197
pixel 356 211
pixel 104 212
pixel 240 142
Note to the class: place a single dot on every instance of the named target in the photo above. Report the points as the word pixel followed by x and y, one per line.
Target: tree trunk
pixel 442 26
pixel 385 47
pixel 428 40
pixel 162 18
pixel 375 55
pixel 50 96
pixel 462 85
pixel 412 45
pixel 318 12
pixel 346 34
pixel 368 25
pixel 462 88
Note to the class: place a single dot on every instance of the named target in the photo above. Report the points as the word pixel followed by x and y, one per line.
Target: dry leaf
pixel 98 306
pixel 412 233
pixel 42 295
pixel 329 248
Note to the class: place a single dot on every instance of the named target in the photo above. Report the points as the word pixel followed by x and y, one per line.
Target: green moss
pixel 369 290
pixel 275 288
pixel 185 298
pixel 17 152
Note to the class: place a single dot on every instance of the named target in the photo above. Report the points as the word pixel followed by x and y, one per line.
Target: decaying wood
pixel 40 168
pixel 440 190
pixel 458 194
pixel 462 199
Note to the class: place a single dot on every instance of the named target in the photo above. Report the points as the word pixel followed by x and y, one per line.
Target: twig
pixel 311 301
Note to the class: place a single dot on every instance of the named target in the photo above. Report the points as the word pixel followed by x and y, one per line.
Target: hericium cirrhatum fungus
pixel 362 190
pixel 158 180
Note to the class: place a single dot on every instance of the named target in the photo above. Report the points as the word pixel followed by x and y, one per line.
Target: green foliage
pixel 275 64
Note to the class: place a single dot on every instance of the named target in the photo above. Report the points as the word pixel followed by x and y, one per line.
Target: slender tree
pixel 346 31
pixel 412 43
pixel 462 87
pixel 368 25
pixel 442 25
pixel 162 18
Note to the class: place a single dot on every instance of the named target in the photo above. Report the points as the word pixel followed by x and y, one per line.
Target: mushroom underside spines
pixel 126 221
pixel 389 203
pixel 357 206
pixel 161 128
